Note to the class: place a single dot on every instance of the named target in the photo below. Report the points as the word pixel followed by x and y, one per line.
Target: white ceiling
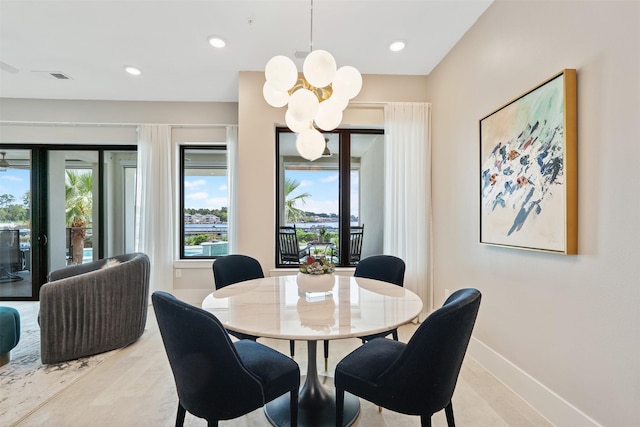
pixel 91 41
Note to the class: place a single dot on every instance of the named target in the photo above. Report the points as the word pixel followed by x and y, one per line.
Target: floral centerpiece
pixel 320 265
pixel 316 275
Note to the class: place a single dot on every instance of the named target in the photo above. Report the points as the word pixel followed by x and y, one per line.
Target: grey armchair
pixel 89 309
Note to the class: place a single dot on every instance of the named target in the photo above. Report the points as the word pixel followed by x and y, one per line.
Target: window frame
pixel 344 187
pixel 182 148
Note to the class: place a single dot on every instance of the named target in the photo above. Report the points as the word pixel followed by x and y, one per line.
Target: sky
pixel 210 192
pixel 205 192
pixel 322 186
pixel 15 182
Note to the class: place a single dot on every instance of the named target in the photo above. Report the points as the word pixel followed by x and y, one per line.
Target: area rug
pixel 25 383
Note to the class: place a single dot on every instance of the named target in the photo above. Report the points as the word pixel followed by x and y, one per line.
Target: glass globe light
pixel 310 144
pixel 281 73
pixel 329 115
pixel 274 97
pixel 347 82
pixel 338 100
pixel 295 125
pixel 303 105
pixel 319 68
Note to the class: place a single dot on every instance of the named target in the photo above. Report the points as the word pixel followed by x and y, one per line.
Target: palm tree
pixel 78 209
pixel 293 214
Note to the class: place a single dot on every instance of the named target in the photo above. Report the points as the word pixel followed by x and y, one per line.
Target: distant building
pixel 201 219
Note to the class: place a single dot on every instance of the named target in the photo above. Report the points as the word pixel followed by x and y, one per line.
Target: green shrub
pixel 196 240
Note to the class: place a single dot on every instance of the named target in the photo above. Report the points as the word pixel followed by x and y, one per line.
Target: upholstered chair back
pixel 236 268
pixel 424 376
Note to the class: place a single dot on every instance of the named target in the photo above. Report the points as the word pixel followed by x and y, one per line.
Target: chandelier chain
pixel 311 30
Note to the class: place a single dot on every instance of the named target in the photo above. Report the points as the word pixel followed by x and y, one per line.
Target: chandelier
pixel 317 99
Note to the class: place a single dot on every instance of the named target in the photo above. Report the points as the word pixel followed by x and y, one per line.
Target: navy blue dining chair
pixel 387 268
pixel 417 378
pixel 237 268
pixel 215 378
pixel 232 269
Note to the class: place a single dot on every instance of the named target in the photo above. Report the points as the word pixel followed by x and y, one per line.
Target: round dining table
pixel 300 307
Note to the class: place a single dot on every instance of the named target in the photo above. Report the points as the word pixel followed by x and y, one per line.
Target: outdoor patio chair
pixel 288 246
pixel 355 243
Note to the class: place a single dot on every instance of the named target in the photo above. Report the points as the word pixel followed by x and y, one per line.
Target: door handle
pixel 42 239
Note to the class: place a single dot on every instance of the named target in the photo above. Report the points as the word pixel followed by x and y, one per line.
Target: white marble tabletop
pixel 277 307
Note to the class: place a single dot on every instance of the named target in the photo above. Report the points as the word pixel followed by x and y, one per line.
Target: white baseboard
pixel 551 406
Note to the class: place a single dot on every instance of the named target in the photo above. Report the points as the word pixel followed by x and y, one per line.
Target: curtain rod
pixel 97 124
pixel 368 103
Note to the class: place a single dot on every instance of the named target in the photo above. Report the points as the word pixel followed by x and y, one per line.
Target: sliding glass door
pixel 66 206
pixel 16 232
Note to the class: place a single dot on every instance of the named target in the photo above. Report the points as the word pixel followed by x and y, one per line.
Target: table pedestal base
pixel 316 402
pixel 319 411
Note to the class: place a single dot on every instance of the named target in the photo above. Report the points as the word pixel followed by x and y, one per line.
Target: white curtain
pixel 232 185
pixel 407 206
pixel 154 203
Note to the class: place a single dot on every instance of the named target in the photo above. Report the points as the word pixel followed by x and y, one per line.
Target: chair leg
pixel 293 408
pixel 326 355
pixel 292 348
pixel 448 410
pixel 395 334
pixel 339 407
pixel 425 420
pixel 180 416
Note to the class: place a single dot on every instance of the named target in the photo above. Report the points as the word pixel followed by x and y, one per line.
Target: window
pixel 203 202
pixel 332 199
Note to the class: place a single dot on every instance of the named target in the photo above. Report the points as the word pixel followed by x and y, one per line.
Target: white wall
pixel 563 331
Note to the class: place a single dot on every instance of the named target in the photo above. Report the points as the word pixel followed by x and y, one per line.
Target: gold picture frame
pixel 528 170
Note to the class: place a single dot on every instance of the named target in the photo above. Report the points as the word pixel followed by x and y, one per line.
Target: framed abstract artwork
pixel 528 170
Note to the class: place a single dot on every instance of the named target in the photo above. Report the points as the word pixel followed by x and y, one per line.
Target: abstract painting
pixel 528 170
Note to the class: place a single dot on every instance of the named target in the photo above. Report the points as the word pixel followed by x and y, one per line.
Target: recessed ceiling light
pixel 397 46
pixel 132 70
pixel 216 41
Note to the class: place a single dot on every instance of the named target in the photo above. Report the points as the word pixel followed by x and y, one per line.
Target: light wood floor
pixel 135 387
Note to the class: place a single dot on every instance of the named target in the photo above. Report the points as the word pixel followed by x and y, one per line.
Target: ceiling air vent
pixel 60 76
